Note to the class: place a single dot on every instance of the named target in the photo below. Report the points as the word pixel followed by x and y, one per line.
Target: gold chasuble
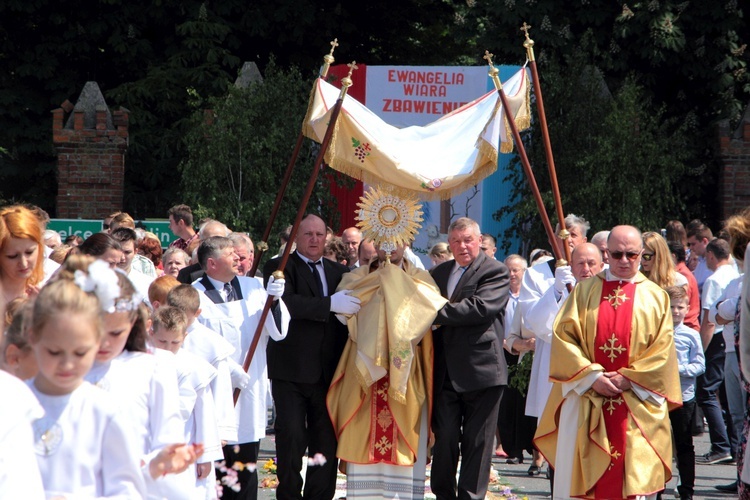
pixel 384 376
pixel 623 445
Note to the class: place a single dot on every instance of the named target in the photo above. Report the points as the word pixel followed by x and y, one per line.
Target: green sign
pixel 160 228
pixel 80 227
pixel 86 227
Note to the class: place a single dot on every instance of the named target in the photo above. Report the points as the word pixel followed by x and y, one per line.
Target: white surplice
pixel 194 380
pixel 537 280
pixel 237 321
pixel 216 350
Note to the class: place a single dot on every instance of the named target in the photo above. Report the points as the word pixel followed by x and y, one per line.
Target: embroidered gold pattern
pixel 610 403
pixel 385 419
pixel 617 297
pixel 383 446
pixel 611 350
pixel 614 454
pixel 382 391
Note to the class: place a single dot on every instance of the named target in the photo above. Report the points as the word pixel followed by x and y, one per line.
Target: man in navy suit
pixel 302 365
pixel 470 370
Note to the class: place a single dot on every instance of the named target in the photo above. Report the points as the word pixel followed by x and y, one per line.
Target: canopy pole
pixel 262 245
pixel 346 82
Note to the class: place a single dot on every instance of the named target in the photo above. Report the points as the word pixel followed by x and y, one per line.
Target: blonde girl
pixel 144 382
pixel 82 444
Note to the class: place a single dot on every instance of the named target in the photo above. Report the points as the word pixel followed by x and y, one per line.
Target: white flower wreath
pixel 102 281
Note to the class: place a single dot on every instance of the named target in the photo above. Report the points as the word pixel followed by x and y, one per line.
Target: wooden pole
pixel 262 245
pixel 524 159
pixel 564 234
pixel 346 82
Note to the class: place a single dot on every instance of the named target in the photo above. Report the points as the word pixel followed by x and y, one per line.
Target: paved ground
pixel 707 476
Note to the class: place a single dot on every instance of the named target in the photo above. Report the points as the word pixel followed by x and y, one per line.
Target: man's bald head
pixel 213 228
pixel 624 247
pixel 585 261
pixel 366 253
pixel 351 237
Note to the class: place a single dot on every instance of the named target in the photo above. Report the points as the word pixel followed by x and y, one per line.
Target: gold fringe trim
pixel 395 395
pixel 362 381
pixel 331 152
pixel 307 129
pixel 487 151
pixel 523 117
pixel 487 166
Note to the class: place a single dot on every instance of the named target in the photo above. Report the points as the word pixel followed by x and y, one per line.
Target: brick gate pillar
pixel 91 143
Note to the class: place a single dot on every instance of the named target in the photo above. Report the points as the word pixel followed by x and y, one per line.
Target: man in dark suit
pixel 302 365
pixel 470 369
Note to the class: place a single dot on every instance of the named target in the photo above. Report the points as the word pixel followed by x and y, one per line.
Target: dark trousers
pixel 248 481
pixel 683 442
pixel 707 395
pixel 463 423
pixel 302 423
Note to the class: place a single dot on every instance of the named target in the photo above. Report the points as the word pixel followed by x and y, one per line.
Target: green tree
pixel 619 158
pixel 689 59
pixel 238 151
pixel 158 57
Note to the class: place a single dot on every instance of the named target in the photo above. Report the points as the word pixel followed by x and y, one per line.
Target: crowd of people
pixel 125 362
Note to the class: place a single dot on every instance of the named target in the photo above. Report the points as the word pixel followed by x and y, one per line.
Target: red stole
pixel 612 351
pixel 383 429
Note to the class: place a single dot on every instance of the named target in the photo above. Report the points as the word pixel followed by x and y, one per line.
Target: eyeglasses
pixel 105 226
pixel 647 257
pixel 631 256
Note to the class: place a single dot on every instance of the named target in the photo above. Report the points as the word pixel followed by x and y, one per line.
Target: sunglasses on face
pixel 631 256
pixel 646 256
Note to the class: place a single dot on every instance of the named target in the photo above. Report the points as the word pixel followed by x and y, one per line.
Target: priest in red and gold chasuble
pixel 622 445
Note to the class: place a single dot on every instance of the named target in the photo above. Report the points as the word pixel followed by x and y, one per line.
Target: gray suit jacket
pixel 469 342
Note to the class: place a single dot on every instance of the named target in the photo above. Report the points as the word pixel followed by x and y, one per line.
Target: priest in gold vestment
pixel 605 428
pixel 381 394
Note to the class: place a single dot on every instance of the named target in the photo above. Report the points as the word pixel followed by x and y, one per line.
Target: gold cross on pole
pixel 346 82
pixel 493 70
pixel 528 43
pixel 328 59
pixel 525 28
pixel 488 55
pixel 352 66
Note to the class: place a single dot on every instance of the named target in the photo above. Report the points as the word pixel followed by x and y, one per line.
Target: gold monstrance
pixel 387 219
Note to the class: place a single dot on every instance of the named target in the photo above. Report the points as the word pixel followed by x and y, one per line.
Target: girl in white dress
pixel 81 443
pixel 144 383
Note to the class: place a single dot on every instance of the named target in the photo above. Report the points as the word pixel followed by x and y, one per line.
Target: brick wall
pixel 91 143
pixel 734 151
